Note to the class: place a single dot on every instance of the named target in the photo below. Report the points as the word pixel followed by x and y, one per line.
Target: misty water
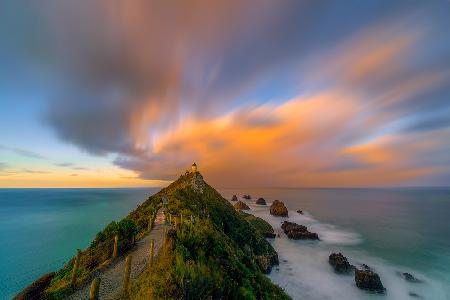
pixel 389 230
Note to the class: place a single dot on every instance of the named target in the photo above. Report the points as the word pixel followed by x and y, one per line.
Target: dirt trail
pixel 111 277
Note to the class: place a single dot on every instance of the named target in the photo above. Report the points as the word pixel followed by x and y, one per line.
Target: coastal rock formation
pixel 369 280
pixel 278 209
pixel 298 232
pixel 247 197
pixel 340 263
pixel 261 201
pixel 300 211
pixel 36 289
pixel 241 206
pixel 234 198
pixel 197 182
pixel 265 262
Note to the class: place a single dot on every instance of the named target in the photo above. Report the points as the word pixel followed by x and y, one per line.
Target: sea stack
pixel 234 198
pixel 340 263
pixel 261 201
pixel 298 232
pixel 278 209
pixel 369 280
pixel 241 206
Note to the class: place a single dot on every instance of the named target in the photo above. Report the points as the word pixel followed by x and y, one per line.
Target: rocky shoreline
pixel 365 278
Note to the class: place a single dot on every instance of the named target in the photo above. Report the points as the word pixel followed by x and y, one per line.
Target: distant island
pixel 184 242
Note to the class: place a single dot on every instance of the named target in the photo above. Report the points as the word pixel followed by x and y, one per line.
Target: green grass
pixel 221 256
pixel 261 226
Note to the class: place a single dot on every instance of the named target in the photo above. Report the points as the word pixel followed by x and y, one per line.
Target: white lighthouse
pixel 194 168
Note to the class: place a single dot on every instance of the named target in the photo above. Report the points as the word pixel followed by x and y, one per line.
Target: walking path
pixel 111 277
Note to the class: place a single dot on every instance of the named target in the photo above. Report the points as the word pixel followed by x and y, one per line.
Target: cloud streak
pixel 256 93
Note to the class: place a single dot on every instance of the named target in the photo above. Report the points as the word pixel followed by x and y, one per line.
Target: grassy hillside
pixel 221 256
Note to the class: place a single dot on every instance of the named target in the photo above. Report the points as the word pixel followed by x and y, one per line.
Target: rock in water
pixel 278 209
pixel 261 201
pixel 234 198
pixel 300 211
pixel 368 280
pixel 298 232
pixel 409 277
pixel 340 263
pixel 241 206
pixel 247 197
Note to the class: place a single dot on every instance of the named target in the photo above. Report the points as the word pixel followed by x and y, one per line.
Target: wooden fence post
pixel 116 241
pixel 152 250
pixel 94 289
pixel 126 275
pixel 150 223
pixel 76 264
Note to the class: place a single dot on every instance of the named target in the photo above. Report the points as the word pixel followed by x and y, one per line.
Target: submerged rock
pixel 298 232
pixel 340 263
pixel 234 198
pixel 369 281
pixel 278 209
pixel 261 201
pixel 247 197
pixel 412 294
pixel 409 277
pixel 241 206
pixel 300 211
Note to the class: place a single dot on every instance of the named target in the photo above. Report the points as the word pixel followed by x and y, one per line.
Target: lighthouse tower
pixel 194 168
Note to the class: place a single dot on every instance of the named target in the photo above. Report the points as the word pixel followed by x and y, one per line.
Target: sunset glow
pixel 258 93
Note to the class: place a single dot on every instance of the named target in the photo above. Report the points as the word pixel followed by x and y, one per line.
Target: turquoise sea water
pixel 40 229
pixel 391 230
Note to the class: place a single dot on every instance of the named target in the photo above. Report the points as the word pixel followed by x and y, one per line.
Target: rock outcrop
pixel 261 201
pixel 241 206
pixel 340 263
pixel 278 209
pixel 198 184
pixel 247 197
pixel 298 232
pixel 234 198
pixel 369 281
pixel 265 263
pixel 300 211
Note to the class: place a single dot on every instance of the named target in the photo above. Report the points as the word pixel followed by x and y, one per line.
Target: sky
pixel 258 93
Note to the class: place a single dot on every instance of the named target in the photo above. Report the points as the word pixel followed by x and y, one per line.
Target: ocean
pixel 391 230
pixel 40 229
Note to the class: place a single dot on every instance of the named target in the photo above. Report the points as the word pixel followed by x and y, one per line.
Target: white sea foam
pixel 304 271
